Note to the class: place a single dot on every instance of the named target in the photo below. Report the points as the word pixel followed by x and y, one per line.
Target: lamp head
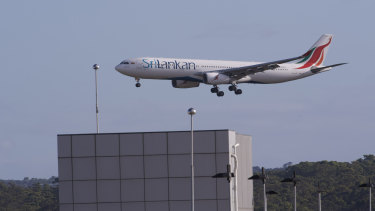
pixel 95 67
pixel 192 111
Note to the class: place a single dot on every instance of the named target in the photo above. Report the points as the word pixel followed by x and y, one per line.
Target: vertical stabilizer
pixel 316 54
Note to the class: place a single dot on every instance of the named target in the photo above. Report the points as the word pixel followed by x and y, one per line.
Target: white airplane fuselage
pixel 189 73
pixel 192 70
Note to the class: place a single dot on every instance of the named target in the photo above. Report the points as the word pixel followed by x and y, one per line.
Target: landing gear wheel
pixel 238 92
pixel 138 84
pixel 232 87
pixel 214 90
pixel 220 94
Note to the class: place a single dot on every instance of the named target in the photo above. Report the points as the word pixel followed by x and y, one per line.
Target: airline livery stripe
pixel 321 59
pixel 315 56
pixel 307 56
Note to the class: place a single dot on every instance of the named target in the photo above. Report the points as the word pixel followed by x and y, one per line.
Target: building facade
pixel 151 171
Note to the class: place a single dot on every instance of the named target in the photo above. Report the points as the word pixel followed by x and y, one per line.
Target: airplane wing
pixel 240 72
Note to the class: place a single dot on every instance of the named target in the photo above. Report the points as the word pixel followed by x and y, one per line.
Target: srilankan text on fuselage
pixel 177 65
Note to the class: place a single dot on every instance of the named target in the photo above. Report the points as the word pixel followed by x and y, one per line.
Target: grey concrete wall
pixel 245 170
pixel 145 171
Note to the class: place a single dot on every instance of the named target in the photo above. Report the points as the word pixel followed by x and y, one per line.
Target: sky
pixel 47 49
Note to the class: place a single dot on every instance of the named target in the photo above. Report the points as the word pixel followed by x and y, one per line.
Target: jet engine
pixel 216 78
pixel 184 84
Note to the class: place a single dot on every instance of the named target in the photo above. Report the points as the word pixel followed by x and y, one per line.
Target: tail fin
pixel 316 54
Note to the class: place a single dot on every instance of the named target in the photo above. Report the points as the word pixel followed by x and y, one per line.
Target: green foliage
pixel 27 182
pixel 339 180
pixel 36 197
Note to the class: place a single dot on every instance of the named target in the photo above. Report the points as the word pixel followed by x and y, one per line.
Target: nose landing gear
pixel 137 84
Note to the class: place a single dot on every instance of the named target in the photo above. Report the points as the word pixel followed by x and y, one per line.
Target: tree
pixel 339 179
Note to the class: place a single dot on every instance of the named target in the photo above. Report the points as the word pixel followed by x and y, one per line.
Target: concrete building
pixel 150 171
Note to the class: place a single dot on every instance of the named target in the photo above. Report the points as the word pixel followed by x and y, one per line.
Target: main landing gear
pixel 233 87
pixel 216 90
pixel 137 84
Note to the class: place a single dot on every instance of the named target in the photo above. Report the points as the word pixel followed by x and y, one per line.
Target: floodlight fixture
pixel 262 177
pixel 228 175
pixel 271 192
pixel 95 67
pixel 320 191
pixel 192 111
pixel 293 180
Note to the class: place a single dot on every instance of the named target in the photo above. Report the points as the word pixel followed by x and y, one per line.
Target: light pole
pixel 191 112
pixel 262 177
pixel 229 175
pixel 320 198
pixel 320 201
pixel 96 68
pixel 294 181
pixel 368 185
pixel 320 191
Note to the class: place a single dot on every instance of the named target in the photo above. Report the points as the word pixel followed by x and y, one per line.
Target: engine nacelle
pixel 216 78
pixel 184 84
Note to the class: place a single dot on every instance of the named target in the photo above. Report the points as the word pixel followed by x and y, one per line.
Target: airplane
pixel 189 73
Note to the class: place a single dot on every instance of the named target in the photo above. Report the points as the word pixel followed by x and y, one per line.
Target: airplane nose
pixel 117 68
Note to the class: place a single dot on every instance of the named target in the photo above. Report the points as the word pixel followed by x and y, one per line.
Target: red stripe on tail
pixel 316 55
pixel 321 59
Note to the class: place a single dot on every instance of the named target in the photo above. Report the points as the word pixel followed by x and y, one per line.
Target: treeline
pixel 36 197
pixel 27 182
pixel 339 180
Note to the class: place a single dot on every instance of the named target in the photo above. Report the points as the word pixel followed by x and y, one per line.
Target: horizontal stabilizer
pixel 319 69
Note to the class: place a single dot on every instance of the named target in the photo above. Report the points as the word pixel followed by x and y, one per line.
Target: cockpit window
pixel 124 62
